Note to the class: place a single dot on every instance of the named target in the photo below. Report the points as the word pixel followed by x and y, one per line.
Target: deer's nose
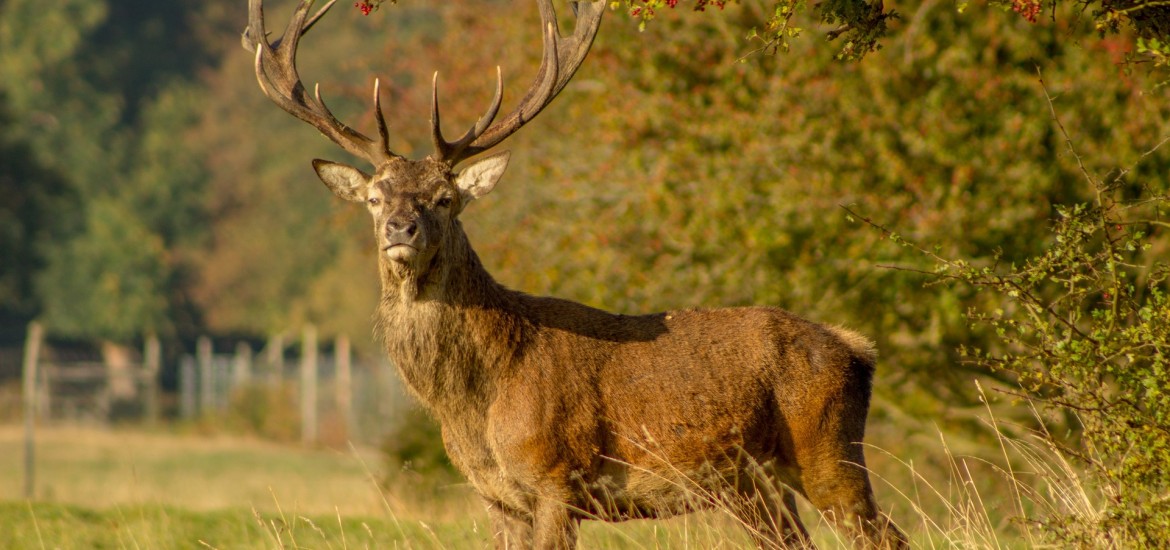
pixel 401 229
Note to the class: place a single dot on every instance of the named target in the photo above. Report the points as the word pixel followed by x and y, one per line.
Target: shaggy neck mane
pixel 446 324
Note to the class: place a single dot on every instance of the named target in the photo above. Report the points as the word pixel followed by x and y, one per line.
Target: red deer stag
pixel 558 412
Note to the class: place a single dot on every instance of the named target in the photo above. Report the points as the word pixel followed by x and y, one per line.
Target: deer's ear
pixel 480 178
pixel 345 181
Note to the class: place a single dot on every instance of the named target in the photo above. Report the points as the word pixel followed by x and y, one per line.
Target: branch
pixel 1063 132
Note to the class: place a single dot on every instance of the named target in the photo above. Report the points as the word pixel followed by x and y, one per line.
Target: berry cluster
pixel 648 10
pixel 1028 9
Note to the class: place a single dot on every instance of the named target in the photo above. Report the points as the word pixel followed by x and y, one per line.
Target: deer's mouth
pixel 400 252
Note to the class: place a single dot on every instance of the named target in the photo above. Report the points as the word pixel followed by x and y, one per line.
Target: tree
pixel 860 26
pixel 33 193
pixel 88 94
pixel 1083 329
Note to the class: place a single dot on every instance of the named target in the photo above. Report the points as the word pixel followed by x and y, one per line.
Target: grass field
pixel 91 467
pixel 132 489
pixel 135 489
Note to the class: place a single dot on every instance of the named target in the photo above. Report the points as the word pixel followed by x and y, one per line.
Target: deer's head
pixel 415 204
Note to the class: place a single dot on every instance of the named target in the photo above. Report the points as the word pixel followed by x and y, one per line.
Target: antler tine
pixel 383 132
pixel 276 71
pixel 313 20
pixel 560 61
pixel 449 149
pixel 292 33
pixel 247 40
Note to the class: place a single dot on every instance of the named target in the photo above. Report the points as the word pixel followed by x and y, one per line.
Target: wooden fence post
pixel 206 375
pixel 242 366
pixel 187 377
pixel 343 383
pixel 386 387
pixel 152 359
pixel 275 358
pixel 309 385
pixel 32 351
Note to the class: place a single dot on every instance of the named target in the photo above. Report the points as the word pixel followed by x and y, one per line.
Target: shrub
pixel 1084 328
pixel 269 412
pixel 413 452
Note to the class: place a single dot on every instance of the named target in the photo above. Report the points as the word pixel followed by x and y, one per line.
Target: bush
pixel 1084 328
pixel 269 412
pixel 413 452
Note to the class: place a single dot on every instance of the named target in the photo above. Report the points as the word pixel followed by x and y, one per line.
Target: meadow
pixel 135 488
pixel 121 488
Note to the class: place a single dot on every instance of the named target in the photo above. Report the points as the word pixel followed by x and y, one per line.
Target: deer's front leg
pixel 554 527
pixel 511 529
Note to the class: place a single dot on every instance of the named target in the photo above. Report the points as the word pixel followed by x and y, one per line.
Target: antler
pixel 276 72
pixel 562 57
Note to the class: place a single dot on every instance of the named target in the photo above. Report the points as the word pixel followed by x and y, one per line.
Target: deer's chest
pixel 468 448
pixel 435 361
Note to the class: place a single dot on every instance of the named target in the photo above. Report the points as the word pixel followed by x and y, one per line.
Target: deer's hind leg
pixel 511 529
pixel 792 531
pixel 841 490
pixel 554 527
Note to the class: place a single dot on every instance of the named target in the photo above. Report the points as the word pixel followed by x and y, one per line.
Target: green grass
pixel 135 489
pixel 46 525
pixel 63 526
pixel 92 467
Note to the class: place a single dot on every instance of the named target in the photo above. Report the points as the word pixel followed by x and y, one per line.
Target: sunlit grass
pixel 45 525
pixel 130 489
pixel 94 467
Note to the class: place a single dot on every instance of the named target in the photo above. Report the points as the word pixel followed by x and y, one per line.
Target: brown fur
pixel 557 412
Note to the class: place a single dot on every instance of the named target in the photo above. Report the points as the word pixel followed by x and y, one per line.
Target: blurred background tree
pixel 32 192
pixel 860 26
pixel 97 94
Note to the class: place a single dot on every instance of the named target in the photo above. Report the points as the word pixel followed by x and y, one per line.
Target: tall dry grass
pixel 945 491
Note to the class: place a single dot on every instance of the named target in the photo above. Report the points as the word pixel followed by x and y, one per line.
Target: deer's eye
pixel 374 201
pixel 443 202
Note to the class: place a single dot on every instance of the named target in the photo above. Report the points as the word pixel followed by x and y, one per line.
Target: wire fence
pixel 288 388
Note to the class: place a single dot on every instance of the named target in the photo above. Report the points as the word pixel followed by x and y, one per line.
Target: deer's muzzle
pixel 402 240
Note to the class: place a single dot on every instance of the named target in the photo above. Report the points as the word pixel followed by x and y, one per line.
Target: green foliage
pixel 1149 19
pixel 122 273
pixel 1088 331
pixel 32 193
pixel 859 23
pixel 413 450
pixel 862 25
pixel 87 92
pixel 109 280
pixel 1083 326
pixel 68 121
pixel 264 411
pixel 1157 50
